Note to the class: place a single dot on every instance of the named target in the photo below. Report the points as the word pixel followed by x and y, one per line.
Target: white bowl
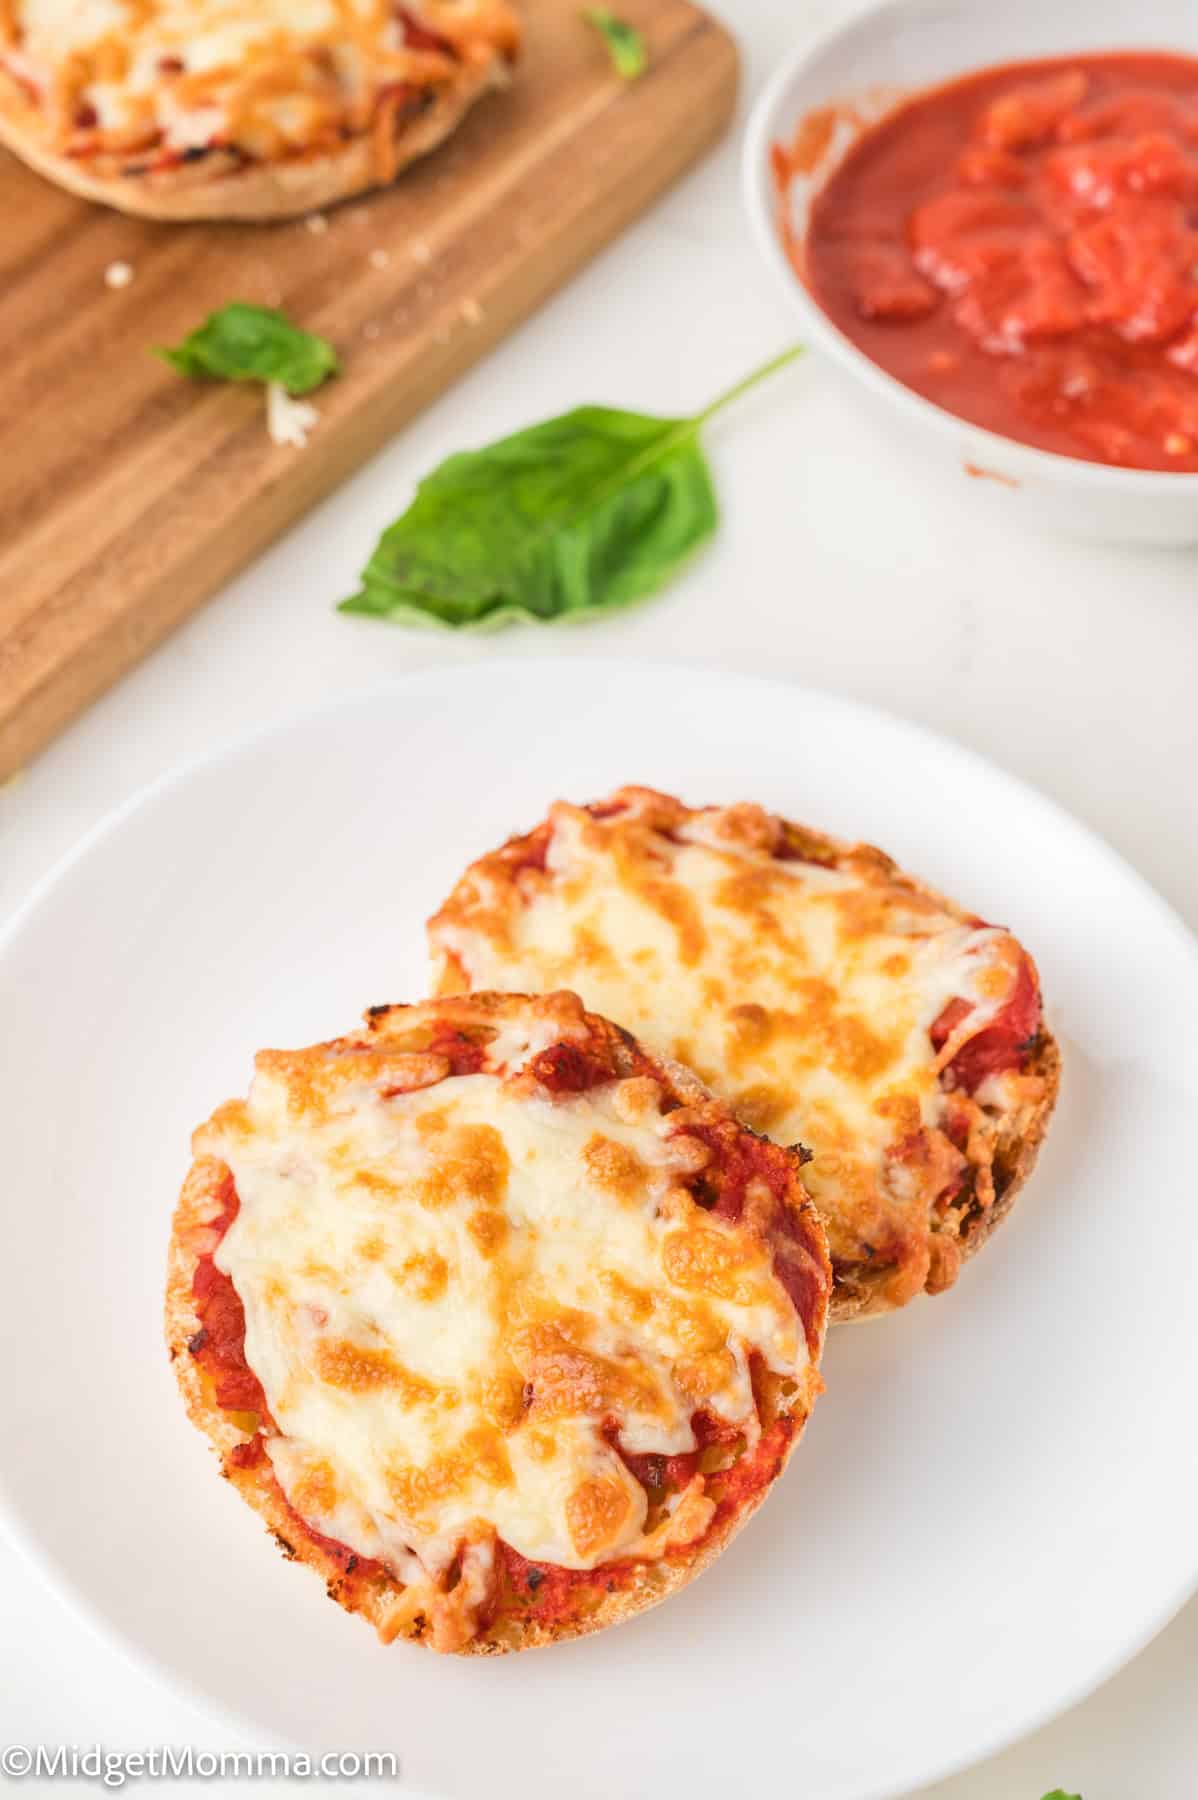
pixel 896 49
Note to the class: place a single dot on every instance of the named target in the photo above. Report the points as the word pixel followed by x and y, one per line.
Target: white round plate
pixel 995 1503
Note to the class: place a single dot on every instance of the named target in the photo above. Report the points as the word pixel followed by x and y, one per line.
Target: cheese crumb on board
pixel 288 420
pixel 118 274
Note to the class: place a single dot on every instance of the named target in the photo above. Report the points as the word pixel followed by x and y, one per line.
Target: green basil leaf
pixel 1060 1794
pixel 579 515
pixel 625 45
pixel 569 518
pixel 241 342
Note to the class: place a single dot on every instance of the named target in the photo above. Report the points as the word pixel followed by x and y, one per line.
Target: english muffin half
pixel 227 109
pixel 825 996
pixel 502 1324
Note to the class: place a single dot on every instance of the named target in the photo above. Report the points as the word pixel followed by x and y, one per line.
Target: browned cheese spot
pixel 903 1111
pixel 376 1183
pixel 315 1491
pixel 821 1035
pixel 750 1028
pixel 614 1167
pixel 316 1079
pixel 501 1397
pixel 869 910
pixel 480 1456
pixel 568 1379
pixel 761 1106
pixel 362 1370
pixel 632 1302
pixel 700 1377
pixel 424 1274
pixel 488 1229
pixel 588 950
pixel 231 1119
pixel 642 871
pixel 710 1262
pixel 595 1512
pixel 469 1161
pixel 752 893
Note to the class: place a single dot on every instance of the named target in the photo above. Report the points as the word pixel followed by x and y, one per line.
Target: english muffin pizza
pixel 825 996
pixel 247 109
pixel 503 1324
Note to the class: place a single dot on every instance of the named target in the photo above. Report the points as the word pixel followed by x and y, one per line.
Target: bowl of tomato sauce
pixel 988 215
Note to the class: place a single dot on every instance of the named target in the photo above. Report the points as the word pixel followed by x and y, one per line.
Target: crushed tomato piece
pixel 1004 1043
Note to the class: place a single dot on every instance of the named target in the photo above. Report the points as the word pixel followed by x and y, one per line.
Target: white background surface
pixel 841 562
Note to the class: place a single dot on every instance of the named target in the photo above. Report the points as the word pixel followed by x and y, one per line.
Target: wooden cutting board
pixel 127 495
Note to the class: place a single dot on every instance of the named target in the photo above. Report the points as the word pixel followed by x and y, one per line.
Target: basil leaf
pixel 583 512
pixel 1060 1794
pixel 576 516
pixel 625 45
pixel 241 342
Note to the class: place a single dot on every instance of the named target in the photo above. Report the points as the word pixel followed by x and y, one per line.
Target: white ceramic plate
pixel 995 1503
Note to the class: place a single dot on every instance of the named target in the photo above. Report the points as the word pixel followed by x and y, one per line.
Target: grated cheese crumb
pixel 317 224
pixel 371 329
pixel 379 259
pixel 288 421
pixel 118 274
pixel 419 251
pixel 472 312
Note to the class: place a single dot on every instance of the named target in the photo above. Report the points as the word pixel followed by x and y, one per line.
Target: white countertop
pixel 840 564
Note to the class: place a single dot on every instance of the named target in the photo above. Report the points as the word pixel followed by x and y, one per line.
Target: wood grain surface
pixel 127 495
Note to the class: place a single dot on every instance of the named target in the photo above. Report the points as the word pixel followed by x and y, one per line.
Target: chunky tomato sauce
pixel 658 1473
pixel 1021 247
pixel 795 1240
pixel 1006 1043
pixel 552 1595
pixel 418 37
pixel 219 1348
pixel 219 1344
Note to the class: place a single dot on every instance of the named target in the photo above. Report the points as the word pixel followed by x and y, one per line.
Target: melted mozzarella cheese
pixel 70 24
pixel 450 1292
pixel 213 31
pixel 185 73
pixel 802 994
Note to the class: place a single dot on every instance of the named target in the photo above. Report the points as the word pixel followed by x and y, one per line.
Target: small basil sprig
pixel 566 519
pixel 242 342
pixel 1060 1794
pixel 625 45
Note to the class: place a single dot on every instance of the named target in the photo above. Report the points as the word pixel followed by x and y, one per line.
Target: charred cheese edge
pixel 269 80
pixel 452 1285
pixel 801 991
